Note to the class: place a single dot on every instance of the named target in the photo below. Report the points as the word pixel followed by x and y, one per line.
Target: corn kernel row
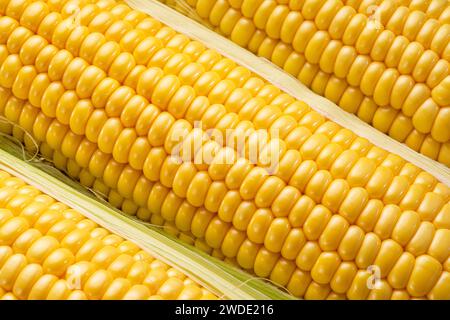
pixel 413 24
pixel 289 29
pixel 57 136
pixel 345 75
pixel 420 9
pixel 436 9
pixel 49 251
pixel 280 23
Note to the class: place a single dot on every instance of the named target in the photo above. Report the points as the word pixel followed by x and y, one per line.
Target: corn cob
pixel 392 72
pixel 335 205
pixel 50 251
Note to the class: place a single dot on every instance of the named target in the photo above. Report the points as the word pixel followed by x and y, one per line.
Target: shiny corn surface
pixel 112 98
pixel 50 251
pixel 385 61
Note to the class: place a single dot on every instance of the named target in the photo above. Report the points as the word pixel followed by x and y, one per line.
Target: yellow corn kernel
pixel 424 275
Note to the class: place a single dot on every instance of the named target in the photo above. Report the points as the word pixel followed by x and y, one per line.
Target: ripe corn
pixel 435 9
pixel 108 100
pixel 383 61
pixel 50 251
